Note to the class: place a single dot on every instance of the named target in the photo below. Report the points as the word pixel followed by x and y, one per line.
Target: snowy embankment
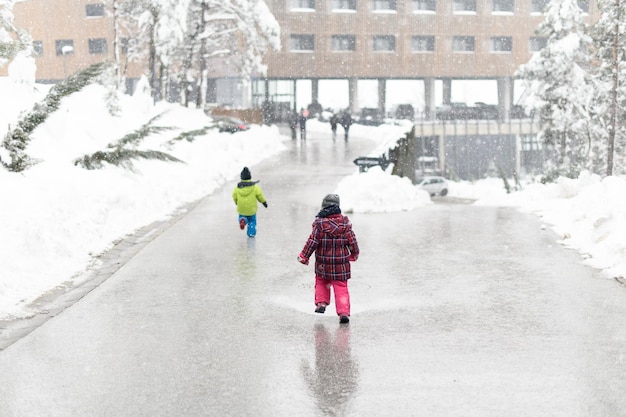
pixel 57 216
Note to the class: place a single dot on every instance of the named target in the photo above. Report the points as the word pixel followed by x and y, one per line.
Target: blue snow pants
pixel 251 222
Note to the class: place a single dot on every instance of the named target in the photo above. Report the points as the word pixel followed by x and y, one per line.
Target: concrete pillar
pixel 447 90
pixel 353 95
pixel 382 95
pixel 295 95
pixel 429 98
pixel 505 97
pixel 315 90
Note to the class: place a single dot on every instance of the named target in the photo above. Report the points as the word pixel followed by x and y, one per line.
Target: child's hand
pixel 303 260
pixel 353 258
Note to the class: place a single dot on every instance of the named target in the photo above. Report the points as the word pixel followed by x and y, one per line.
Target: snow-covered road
pixel 458 310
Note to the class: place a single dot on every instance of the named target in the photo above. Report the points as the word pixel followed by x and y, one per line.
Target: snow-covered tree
pixel 611 81
pixel 156 31
pixel 181 39
pixel 560 91
pixel 237 33
pixel 12 40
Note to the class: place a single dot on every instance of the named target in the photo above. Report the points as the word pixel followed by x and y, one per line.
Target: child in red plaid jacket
pixel 335 246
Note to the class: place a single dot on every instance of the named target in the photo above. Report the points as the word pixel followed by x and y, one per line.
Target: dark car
pixel 371 117
pixel 486 111
pixel 230 124
pixel 405 111
pixel 453 111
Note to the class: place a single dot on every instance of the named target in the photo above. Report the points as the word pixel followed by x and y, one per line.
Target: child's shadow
pixel 335 377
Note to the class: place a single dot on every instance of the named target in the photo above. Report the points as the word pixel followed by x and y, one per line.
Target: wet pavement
pixel 458 310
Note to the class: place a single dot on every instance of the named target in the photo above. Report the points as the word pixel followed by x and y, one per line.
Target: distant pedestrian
pixel 302 120
pixel 346 122
pixel 293 123
pixel 245 195
pixel 335 246
pixel 333 125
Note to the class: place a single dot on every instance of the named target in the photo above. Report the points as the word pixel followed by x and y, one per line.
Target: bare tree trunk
pixel 613 108
pixel 116 45
pixel 201 84
pixel 152 60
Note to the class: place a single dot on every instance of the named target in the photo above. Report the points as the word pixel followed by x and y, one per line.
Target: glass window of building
pixel 463 44
pixel 501 44
pixel 94 10
pixel 422 44
pixel 302 43
pixel 424 6
pixel 385 5
pixel 464 6
pixel 343 5
pixel 97 46
pixel 38 48
pixel 506 6
pixel 384 43
pixel 302 4
pixel 64 46
pixel 538 6
pixel 537 43
pixel 345 43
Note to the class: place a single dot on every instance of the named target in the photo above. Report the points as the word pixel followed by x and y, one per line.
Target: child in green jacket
pixel 245 195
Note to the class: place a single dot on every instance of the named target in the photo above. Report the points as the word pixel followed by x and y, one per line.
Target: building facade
pixel 406 39
pixel 353 40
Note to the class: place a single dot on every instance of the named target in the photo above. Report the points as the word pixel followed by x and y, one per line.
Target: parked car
pixel 230 124
pixel 486 111
pixel 370 117
pixel 405 111
pixel 453 111
pixel 434 185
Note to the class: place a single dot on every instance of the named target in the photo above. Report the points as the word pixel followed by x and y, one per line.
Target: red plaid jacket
pixel 334 243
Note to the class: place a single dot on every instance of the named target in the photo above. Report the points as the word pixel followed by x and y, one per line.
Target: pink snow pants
pixel 342 296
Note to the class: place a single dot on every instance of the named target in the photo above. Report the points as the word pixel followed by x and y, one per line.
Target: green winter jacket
pixel 246 195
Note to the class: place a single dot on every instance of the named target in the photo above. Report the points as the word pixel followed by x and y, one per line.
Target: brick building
pixel 352 40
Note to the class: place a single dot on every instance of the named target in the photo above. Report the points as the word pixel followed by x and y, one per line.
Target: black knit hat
pixel 245 174
pixel 330 200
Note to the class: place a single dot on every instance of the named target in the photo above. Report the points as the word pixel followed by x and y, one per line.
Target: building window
pixel 463 44
pixel 538 6
pixel 584 5
pixel 97 46
pixel 302 4
pixel 506 6
pixel 464 6
pixel 385 5
pixel 501 44
pixel 94 10
pixel 424 6
pixel 423 44
pixel 302 43
pixel 64 47
pixel 343 5
pixel 384 43
pixel 537 43
pixel 124 45
pixel 343 43
pixel 37 48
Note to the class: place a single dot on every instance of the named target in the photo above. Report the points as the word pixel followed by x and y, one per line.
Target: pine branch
pixel 17 139
pixel 191 135
pixel 144 131
pixel 121 157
